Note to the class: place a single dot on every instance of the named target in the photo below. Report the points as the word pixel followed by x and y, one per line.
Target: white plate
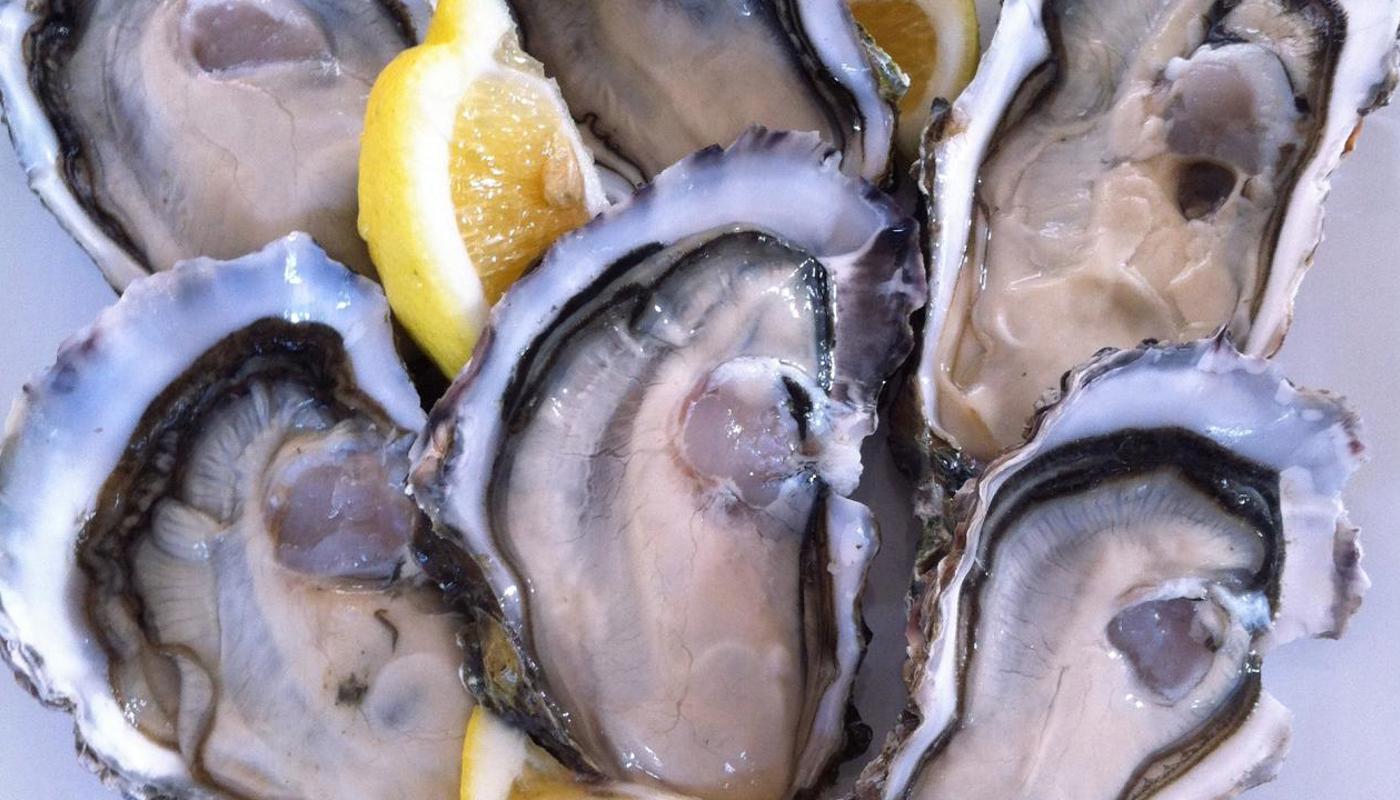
pixel 1344 693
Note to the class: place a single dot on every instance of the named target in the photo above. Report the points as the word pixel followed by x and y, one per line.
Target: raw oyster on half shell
pixel 1099 627
pixel 204 542
pixel 160 130
pixel 649 457
pixel 1123 170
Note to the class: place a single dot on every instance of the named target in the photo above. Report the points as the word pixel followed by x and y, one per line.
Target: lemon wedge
pixel 470 167
pixel 935 42
pixel 501 763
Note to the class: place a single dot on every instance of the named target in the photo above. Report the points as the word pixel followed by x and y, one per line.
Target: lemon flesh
pixel 516 180
pixel 935 42
pixel 470 168
pixel 501 763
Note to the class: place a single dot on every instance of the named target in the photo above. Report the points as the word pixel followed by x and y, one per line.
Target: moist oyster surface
pixel 1115 584
pixel 652 82
pixel 160 131
pixel 655 489
pixel 220 588
pixel 1150 169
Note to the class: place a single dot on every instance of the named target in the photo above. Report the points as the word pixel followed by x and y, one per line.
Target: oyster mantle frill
pixel 648 459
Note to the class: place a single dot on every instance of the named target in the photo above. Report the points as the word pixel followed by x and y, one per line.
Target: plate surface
pixel 1345 695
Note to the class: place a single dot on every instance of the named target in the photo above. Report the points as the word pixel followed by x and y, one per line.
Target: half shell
pixel 1127 171
pixel 159 131
pixel 204 542
pixel 649 456
pixel 1099 627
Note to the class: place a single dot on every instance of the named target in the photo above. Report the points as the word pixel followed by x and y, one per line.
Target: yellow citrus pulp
pixel 501 763
pixel 935 42
pixel 470 167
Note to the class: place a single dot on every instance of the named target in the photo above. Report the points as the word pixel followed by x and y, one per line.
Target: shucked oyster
pixel 651 82
pixel 158 130
pixel 1099 628
pixel 648 459
pixel 204 542
pixel 1131 169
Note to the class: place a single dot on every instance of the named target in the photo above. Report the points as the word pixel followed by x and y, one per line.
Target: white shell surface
pixel 36 144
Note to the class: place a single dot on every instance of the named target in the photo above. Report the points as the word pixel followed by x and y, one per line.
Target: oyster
pixel 649 456
pixel 651 82
pixel 1098 629
pixel 158 131
pixel 1127 170
pixel 204 542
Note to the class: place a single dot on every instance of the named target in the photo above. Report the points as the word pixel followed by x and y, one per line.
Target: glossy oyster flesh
pixel 1116 582
pixel 1120 171
pixel 651 82
pixel 648 459
pixel 204 542
pixel 158 131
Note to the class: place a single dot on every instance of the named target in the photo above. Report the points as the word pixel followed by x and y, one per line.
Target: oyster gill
pixel 648 457
pixel 1120 171
pixel 651 82
pixel 158 130
pixel 1099 628
pixel 204 542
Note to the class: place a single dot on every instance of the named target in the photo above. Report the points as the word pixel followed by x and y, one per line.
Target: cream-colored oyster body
pixel 1124 171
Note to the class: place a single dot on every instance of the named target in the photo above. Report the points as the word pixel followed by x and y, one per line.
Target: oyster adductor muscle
pixel 649 456
pixel 161 130
pixel 651 82
pixel 1123 170
pixel 204 542
pixel 1099 627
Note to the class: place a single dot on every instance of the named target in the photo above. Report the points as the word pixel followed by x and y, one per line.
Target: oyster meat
pixel 1099 627
pixel 1130 170
pixel 158 130
pixel 651 82
pixel 648 459
pixel 204 542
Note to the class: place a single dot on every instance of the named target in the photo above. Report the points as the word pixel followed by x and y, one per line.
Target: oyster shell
pixel 196 128
pixel 649 456
pixel 1132 170
pixel 1099 627
pixel 651 82
pixel 204 542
